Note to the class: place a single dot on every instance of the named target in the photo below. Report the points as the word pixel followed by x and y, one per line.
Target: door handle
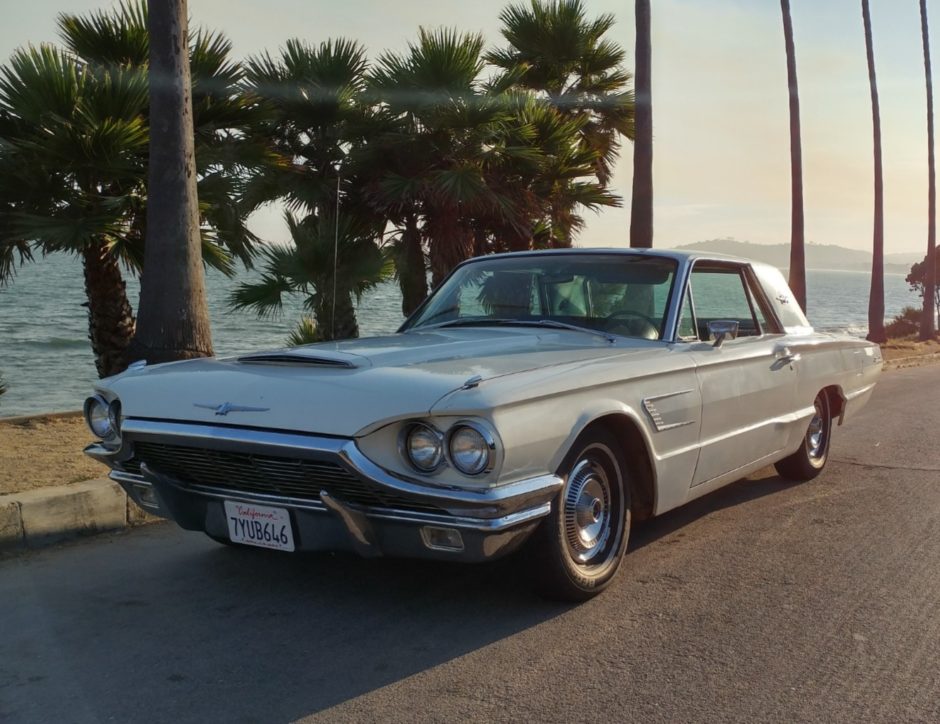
pixel 786 355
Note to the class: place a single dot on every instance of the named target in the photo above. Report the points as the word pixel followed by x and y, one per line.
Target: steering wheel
pixel 635 324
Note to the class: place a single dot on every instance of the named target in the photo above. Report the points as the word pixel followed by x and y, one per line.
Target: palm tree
pixel 173 320
pixel 797 250
pixel 876 298
pixel 927 324
pixel 318 120
pixel 450 135
pixel 74 135
pixel 641 213
pixel 557 52
pixel 561 57
pixel 72 152
pixel 306 267
pixel 559 184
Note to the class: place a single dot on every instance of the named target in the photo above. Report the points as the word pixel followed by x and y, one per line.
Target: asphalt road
pixel 765 601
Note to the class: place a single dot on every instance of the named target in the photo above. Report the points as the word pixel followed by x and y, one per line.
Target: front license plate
pixel 259 525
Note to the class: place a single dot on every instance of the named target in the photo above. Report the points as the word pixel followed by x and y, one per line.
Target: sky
pixel 720 115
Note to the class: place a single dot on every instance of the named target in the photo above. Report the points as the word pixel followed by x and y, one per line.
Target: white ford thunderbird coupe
pixel 545 399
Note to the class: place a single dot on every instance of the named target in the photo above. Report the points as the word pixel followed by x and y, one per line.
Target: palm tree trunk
pixel 641 213
pixel 876 297
pixel 341 325
pixel 517 240
pixel 347 326
pixel 173 319
pixel 110 318
pixel 927 324
pixel 797 250
pixel 412 273
pixel 450 242
pixel 479 242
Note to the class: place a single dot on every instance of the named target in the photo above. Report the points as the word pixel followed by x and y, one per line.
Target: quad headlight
pixel 103 418
pixel 468 446
pixel 470 449
pixel 423 447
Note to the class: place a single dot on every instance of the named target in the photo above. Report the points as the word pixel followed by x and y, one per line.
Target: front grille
pixel 268 474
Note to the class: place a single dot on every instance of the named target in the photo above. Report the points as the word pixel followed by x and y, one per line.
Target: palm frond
pixel 116 37
pixel 41 83
pixel 12 254
pixel 265 297
pixel 306 332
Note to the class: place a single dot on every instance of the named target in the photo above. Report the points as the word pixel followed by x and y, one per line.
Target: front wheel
pixel 578 548
pixel 809 461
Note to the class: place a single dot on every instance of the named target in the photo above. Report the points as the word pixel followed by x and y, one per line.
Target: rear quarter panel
pixel 850 364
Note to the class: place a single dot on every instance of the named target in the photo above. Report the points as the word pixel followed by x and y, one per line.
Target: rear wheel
pixel 579 547
pixel 809 461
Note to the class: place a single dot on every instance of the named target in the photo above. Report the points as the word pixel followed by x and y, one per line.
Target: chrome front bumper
pixel 491 522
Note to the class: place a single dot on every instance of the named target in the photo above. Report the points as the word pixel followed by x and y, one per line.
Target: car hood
pixel 347 388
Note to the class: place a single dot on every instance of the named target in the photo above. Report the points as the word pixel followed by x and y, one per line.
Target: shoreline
pixel 897 353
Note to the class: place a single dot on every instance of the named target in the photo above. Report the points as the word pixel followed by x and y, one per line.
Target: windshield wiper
pixel 549 323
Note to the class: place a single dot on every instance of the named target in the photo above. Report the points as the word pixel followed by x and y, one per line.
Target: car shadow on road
pixel 201 632
pixel 178 627
pixel 762 483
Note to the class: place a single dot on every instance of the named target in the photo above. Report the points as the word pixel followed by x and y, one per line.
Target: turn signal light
pixel 442 539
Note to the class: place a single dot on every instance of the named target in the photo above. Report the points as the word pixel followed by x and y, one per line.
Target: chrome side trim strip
pixel 859 392
pixel 653 398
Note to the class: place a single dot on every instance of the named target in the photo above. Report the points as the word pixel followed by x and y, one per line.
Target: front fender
pixel 594 412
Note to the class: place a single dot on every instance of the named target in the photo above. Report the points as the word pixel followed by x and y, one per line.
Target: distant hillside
pixel 818 256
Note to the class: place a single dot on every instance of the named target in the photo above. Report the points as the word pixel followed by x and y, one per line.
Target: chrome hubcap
pixel 587 508
pixel 816 434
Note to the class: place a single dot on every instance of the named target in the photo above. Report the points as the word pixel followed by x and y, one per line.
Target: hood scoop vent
pixel 288 358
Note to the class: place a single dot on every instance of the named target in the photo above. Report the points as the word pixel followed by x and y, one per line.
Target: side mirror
pixel 719 329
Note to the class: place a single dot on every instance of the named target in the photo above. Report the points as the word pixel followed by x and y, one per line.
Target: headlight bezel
pixel 444 435
pixel 107 413
pixel 115 418
pixel 489 447
pixel 404 446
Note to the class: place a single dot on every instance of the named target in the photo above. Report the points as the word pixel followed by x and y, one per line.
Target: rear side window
pixel 781 299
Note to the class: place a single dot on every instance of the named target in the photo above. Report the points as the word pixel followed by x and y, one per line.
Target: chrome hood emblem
pixel 227 407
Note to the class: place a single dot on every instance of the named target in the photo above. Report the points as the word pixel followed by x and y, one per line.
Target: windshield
pixel 614 293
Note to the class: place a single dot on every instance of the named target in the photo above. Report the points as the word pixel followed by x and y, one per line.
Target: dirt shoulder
pixel 43 451
pixel 910 353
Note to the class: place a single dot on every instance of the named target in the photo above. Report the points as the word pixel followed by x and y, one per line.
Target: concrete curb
pixel 41 517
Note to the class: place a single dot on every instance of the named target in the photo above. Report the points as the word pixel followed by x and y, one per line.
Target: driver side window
pixel 720 293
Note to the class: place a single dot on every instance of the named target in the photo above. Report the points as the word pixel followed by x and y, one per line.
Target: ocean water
pixel 46 360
